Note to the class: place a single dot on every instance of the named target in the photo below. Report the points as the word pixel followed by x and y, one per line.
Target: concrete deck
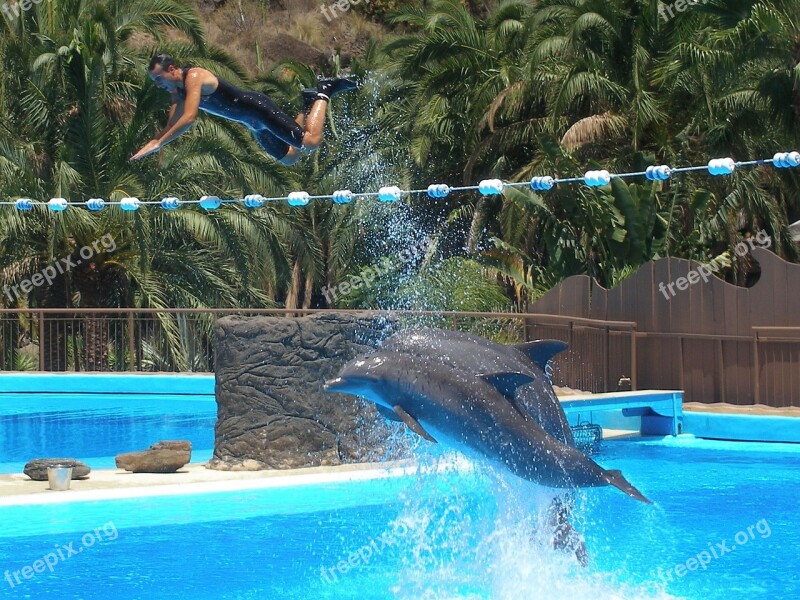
pixel 194 478
pixel 617 434
pixel 734 409
pixel 17 488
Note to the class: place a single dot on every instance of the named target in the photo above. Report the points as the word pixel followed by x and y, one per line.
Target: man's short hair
pixel 165 60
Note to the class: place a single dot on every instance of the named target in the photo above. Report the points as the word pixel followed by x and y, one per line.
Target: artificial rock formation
pixel 163 457
pixel 36 469
pixel 273 412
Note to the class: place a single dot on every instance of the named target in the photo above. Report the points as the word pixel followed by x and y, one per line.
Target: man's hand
pixel 149 148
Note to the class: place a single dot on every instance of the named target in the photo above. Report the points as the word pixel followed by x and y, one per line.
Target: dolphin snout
pixel 333 384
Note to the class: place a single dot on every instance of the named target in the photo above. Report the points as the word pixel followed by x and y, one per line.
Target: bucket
pixel 59 477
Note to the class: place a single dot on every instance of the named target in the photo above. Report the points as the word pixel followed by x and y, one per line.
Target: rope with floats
pixel 487 187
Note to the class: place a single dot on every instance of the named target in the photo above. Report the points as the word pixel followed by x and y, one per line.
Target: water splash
pixel 368 157
pixel 487 536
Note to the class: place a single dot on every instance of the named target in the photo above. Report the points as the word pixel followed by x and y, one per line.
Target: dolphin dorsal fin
pixel 542 351
pixel 507 383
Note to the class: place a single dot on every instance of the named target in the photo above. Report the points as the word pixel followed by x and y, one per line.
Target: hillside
pixel 259 33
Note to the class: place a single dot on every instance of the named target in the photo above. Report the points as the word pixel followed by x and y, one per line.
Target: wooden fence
pixel 716 341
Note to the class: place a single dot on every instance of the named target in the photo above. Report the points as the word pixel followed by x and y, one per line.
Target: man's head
pixel 165 73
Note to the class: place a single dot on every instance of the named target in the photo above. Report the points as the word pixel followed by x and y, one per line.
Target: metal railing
pixel 761 368
pixel 180 340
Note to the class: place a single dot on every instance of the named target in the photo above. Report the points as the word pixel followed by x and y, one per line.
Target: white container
pixel 59 477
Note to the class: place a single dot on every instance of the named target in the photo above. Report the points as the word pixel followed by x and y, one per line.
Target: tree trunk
pixel 308 292
pixel 96 340
pixel 293 295
pixel 90 283
pixel 55 327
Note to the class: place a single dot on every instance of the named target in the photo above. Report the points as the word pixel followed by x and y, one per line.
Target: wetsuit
pixel 272 128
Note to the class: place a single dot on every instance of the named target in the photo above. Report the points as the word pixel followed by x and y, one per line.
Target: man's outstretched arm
pixel 182 117
pixel 175 113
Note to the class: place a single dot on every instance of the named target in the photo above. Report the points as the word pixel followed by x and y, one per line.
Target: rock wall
pixel 272 410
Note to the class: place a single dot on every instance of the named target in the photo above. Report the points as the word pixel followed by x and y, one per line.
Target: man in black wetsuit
pixel 194 88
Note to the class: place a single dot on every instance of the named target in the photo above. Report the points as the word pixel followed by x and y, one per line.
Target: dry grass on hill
pixel 249 29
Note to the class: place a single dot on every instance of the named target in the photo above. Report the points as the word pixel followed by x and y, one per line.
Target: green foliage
pixel 559 87
pixel 452 284
pixel 465 91
pixel 24 361
pixel 381 10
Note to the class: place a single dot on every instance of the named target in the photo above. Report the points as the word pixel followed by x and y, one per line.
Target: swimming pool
pixel 465 534
pixel 94 428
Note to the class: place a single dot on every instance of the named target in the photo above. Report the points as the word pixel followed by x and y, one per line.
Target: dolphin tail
pixel 616 479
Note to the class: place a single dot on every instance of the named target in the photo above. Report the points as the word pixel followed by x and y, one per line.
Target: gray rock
pixel 36 469
pixel 163 457
pixel 209 6
pixel 273 412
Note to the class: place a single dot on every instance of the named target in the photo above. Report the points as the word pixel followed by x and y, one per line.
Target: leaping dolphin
pixel 471 413
pixel 479 356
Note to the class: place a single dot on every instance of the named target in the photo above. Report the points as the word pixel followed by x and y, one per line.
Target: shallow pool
pixel 95 428
pixel 455 535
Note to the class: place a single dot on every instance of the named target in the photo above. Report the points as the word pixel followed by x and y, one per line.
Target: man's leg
pixel 315 125
pixel 312 119
pixel 293 155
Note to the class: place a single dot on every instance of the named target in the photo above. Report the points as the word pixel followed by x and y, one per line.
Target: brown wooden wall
pixel 716 341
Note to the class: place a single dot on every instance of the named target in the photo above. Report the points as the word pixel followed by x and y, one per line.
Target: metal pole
pixel 721 367
pixel 131 344
pixel 606 371
pixel 41 341
pixel 756 371
pixel 634 362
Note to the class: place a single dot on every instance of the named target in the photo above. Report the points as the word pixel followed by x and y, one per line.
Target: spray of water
pixel 487 534
pixel 368 155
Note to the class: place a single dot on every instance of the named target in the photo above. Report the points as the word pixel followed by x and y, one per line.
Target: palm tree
pixel 621 88
pixel 733 69
pixel 76 110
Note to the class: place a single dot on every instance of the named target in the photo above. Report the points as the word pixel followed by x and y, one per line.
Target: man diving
pixel 195 88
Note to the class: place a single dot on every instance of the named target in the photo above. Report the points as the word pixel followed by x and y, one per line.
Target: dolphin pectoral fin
pixel 542 351
pixel 519 408
pixel 616 479
pixel 388 414
pixel 507 383
pixel 413 424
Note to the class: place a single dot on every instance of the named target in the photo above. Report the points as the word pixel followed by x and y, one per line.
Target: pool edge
pixel 212 481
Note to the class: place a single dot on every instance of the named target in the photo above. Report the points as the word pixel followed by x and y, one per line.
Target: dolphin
pixel 480 356
pixel 473 416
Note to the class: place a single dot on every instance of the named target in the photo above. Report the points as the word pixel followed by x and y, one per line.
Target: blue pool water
pixel 464 535
pixel 95 428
